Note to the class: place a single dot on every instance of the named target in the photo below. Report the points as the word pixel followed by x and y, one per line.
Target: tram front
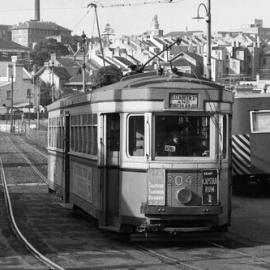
pixel 185 141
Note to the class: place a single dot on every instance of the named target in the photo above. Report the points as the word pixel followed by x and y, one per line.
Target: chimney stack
pixel 37 10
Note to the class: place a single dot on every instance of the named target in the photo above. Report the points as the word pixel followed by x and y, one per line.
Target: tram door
pixel 112 155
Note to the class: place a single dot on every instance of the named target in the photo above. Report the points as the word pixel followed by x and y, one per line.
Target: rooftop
pixel 10 45
pixel 39 25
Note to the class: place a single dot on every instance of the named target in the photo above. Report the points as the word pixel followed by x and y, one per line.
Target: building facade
pixel 31 32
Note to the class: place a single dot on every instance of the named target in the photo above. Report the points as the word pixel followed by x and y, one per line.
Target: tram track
pixel 17 231
pixel 32 156
pixel 28 161
pixel 167 259
pixel 229 245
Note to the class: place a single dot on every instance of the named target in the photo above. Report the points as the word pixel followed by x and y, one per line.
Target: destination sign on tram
pixel 183 101
pixel 210 187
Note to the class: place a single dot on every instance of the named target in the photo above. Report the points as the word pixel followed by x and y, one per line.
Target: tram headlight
pixel 184 195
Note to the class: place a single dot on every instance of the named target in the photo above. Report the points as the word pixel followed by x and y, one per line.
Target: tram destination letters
pixel 210 186
pixel 183 101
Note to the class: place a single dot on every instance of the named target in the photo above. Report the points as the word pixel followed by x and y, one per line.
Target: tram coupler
pixel 143 228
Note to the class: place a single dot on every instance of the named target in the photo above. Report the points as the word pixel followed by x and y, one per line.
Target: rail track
pixel 12 221
pixel 234 248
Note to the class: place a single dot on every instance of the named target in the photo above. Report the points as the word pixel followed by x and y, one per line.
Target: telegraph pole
pixel 84 43
pixel 208 21
pixel 10 68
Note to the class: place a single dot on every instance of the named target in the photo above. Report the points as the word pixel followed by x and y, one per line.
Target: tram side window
pixel 83 136
pixel 136 135
pixel 56 131
pixel 182 135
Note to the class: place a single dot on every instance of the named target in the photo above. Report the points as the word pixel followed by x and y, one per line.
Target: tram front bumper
pixel 180 219
pixel 150 210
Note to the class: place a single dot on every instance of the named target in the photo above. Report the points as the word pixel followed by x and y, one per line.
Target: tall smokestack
pixel 37 10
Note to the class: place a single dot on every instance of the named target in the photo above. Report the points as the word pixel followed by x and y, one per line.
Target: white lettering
pixel 209 189
pixel 210 181
pixel 156 185
pixel 178 180
pixel 161 192
pixel 155 198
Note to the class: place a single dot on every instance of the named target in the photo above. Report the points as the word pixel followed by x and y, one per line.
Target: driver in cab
pixel 174 147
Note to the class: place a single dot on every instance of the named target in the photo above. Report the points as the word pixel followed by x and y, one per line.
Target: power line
pixel 81 19
pixel 136 4
pixel 32 9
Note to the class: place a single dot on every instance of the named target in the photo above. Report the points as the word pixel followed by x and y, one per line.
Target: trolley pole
pixel 208 21
pixel 93 5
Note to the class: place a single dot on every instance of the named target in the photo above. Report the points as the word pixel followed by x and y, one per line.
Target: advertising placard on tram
pixel 156 187
pixel 183 101
pixel 210 187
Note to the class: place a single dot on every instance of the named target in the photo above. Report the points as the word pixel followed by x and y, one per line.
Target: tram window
pixel 83 134
pixel 136 136
pixel 182 135
pixel 260 121
pixel 56 139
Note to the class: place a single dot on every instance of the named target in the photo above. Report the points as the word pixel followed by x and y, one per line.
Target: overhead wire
pixel 138 4
pixel 81 19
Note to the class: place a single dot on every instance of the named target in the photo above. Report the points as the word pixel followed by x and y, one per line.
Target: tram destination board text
pixel 183 101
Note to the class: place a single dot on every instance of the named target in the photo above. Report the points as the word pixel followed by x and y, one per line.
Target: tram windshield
pixel 182 136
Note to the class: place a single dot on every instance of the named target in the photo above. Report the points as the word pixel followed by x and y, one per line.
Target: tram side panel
pixel 84 187
pixel 133 194
pixel 83 172
pixel 250 146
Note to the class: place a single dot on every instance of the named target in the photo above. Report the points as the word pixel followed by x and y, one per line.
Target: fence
pixel 38 137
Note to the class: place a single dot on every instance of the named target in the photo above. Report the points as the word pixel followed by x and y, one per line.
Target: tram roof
pixel 146 82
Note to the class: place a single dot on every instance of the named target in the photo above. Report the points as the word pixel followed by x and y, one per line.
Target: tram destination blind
pixel 183 101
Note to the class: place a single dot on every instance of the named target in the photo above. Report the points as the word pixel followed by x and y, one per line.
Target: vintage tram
pixel 111 153
pixel 250 141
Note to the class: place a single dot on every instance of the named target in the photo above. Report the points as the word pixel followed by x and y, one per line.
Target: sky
pixel 135 17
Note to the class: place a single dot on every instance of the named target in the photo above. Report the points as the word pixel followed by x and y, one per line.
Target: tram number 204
pixel 174 179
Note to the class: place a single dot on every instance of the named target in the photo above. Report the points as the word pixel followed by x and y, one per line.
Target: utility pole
pixel 84 44
pixel 29 101
pixel 52 80
pixel 208 21
pixel 38 101
pixel 10 68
